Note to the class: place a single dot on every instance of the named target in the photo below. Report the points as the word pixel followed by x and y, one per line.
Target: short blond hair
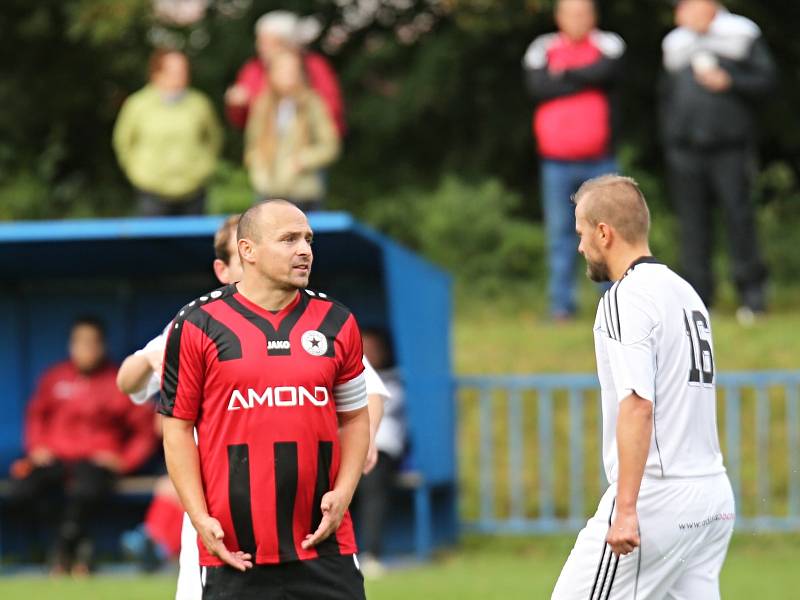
pixel 618 201
pixel 223 237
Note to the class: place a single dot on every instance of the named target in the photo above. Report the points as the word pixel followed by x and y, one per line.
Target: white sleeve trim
pixel 154 382
pixel 536 55
pixel 351 395
pixel 609 43
pixel 374 383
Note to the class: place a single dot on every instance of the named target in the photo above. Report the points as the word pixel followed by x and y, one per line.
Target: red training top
pixel 260 388
pixel 321 77
pixel 578 126
pixel 76 416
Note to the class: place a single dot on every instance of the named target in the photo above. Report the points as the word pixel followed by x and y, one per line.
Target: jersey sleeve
pixel 350 391
pixel 373 381
pixel 630 323
pixel 182 372
pixel 153 384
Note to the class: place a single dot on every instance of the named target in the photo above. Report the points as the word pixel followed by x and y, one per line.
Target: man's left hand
pixel 334 504
pixel 623 536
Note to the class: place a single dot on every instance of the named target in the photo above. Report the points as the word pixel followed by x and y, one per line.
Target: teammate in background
pixel 140 377
pixel 140 374
pixel 663 526
pixel 80 435
pixel 271 376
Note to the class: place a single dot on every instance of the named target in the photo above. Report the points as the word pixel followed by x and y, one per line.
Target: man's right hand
pixel 211 535
pixel 41 457
pixel 237 95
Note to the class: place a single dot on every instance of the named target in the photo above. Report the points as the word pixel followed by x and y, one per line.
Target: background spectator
pixel 375 487
pixel 717 65
pixel 277 32
pixel 80 434
pixel 571 74
pixel 289 137
pixel 167 139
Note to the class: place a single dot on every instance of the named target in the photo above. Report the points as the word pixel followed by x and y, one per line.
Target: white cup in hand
pixel 703 62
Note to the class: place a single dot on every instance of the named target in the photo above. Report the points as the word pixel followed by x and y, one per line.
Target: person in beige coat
pixel 290 139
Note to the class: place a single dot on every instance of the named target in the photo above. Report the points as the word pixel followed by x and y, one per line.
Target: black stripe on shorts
pixel 603 565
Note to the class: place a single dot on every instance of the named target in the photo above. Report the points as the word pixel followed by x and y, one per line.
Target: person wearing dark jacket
pixel 572 75
pixel 717 66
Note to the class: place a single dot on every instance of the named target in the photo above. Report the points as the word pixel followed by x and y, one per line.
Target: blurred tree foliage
pixel 434 95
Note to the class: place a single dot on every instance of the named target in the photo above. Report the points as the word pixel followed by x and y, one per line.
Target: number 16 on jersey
pixel 701 371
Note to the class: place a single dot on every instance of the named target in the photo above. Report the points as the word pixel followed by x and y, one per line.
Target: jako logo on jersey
pixel 278 345
pixel 314 343
pixel 279 396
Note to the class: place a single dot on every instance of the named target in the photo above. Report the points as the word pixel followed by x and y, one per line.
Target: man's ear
pixel 220 269
pixel 605 234
pixel 247 251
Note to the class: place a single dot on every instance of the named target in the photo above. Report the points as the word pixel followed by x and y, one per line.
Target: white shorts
pixel 190 586
pixel 685 526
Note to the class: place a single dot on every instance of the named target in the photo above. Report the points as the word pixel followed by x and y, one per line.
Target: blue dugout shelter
pixel 136 273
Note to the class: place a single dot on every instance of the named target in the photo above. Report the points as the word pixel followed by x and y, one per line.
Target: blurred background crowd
pixel 415 116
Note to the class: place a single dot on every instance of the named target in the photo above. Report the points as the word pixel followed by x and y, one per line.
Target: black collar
pixel 642 260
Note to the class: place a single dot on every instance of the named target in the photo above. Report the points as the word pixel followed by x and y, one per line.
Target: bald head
pixel 262 216
pixel 618 202
pixel 575 18
pixel 274 242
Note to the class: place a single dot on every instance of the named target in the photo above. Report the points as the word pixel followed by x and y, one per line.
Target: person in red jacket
pixel 276 32
pixel 572 75
pixel 80 435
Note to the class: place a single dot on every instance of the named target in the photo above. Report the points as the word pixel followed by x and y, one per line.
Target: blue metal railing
pixel 759 421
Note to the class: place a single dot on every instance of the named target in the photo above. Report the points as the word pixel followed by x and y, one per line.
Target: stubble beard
pixel 597 271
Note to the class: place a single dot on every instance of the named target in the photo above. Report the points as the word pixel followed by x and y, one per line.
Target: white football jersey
pixel 653 336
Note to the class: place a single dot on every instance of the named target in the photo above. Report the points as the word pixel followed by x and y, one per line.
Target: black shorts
pixel 325 578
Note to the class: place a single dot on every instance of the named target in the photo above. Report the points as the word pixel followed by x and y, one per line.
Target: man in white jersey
pixel 662 528
pixel 139 376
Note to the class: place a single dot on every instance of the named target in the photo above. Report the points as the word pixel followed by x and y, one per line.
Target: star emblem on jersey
pixel 314 343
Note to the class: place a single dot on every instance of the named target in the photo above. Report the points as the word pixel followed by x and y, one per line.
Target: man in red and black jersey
pixel 271 376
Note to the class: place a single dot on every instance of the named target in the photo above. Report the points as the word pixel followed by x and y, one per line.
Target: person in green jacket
pixel 167 139
pixel 290 139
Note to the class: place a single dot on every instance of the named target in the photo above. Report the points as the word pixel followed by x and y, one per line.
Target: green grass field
pixel 499 338
pixel 482 569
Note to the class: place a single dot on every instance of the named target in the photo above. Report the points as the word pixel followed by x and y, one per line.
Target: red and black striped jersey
pixel 263 390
